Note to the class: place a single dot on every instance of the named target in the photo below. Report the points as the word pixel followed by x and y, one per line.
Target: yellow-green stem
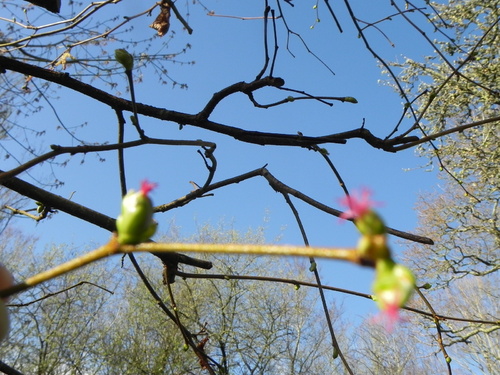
pixel 112 248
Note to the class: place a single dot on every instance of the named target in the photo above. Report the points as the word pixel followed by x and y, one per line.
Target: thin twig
pixel 435 317
pixel 336 347
pixel 301 283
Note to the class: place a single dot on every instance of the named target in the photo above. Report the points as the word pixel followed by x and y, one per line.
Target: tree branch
pixel 74 209
pixel 200 120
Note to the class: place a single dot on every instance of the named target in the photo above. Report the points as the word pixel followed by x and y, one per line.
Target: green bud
pixel 135 223
pixel 426 286
pixel 133 120
pixel 370 223
pixel 296 286
pixel 374 247
pixel 394 283
pixel 40 207
pixel 312 267
pixel 335 353
pixel 448 359
pixel 124 58
pixel 350 99
pixel 324 151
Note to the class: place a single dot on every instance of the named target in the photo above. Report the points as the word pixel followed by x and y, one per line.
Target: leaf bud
pixel 135 223
pixel 124 58
pixel 426 286
pixel 350 99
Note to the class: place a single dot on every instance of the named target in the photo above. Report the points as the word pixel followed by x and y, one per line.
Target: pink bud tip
pixel 147 186
pixel 389 317
pixel 358 204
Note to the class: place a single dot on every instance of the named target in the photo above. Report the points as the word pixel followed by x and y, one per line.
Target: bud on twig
pixel 135 223
pixel 124 58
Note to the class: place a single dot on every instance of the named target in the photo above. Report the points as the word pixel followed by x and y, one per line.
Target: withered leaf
pixel 162 23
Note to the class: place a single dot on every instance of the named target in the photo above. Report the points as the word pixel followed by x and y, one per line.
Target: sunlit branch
pixel 73 22
pixel 188 336
pixel 455 71
pixel 113 248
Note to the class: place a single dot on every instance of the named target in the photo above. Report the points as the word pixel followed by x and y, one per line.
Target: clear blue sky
pixel 228 50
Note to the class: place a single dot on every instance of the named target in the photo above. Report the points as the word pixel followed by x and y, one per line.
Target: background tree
pixel 75 325
pixel 453 91
pixel 463 217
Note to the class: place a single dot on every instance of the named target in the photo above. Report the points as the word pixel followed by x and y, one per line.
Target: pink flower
pixel 357 204
pixel 389 317
pixel 147 186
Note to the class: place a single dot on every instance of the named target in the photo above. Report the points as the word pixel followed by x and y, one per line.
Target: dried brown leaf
pixel 162 23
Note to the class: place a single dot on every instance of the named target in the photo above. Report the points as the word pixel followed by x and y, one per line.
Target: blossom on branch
pixel 394 283
pixel 358 204
pixel 360 210
pixel 393 286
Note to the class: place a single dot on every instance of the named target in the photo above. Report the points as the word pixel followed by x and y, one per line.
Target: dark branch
pixel 74 209
pixel 200 120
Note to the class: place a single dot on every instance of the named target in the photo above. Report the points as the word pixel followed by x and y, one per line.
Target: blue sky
pixel 225 51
